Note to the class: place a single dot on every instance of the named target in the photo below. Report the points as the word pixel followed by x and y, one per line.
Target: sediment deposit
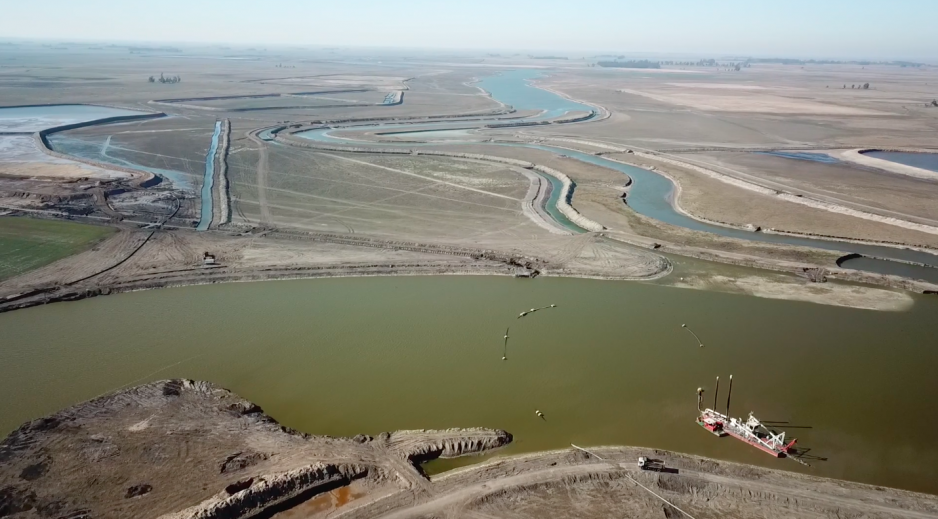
pixel 188 449
pixel 182 449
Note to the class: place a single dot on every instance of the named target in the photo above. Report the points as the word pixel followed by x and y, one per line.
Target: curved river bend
pixel 651 193
pixel 610 365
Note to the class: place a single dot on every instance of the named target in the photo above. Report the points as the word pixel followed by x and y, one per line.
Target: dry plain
pixel 288 209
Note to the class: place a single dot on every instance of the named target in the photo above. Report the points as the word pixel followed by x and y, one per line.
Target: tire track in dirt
pixel 431 179
pixel 262 172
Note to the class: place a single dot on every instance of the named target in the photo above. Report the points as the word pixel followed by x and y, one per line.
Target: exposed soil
pixel 183 449
pixel 608 483
pixel 189 449
pixel 292 207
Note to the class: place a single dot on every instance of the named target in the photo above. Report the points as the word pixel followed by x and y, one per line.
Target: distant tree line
pixel 741 63
pixel 787 61
pixel 737 66
pixel 644 63
pixel 165 79
pixel 134 50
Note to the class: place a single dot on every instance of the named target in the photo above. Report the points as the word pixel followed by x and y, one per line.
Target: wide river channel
pixel 610 365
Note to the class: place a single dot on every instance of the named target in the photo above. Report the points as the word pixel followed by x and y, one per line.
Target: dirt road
pixel 262 173
pixel 570 483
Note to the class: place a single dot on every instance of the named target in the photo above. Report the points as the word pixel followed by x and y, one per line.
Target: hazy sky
pixel 827 28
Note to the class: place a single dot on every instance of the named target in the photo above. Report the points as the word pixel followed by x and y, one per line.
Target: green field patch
pixel 27 243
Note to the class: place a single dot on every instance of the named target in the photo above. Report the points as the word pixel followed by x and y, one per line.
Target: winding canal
pixel 651 194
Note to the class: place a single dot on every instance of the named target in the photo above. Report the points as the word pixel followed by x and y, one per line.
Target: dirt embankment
pixel 146 259
pixel 221 206
pixel 738 255
pixel 605 482
pixel 755 187
pixel 182 449
pixel 186 449
pixel 141 179
pixel 859 156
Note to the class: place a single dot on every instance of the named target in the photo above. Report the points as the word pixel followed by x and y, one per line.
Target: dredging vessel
pixel 750 431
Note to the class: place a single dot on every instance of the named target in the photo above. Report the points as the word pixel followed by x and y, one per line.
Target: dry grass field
pixel 261 203
pixel 705 116
pixel 761 106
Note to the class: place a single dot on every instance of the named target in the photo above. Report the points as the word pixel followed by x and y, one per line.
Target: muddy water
pixel 610 365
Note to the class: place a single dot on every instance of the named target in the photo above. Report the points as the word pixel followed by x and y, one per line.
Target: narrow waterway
pixel 208 182
pixel 610 365
pixel 41 117
pixel 514 88
pixel 651 194
pixel 100 149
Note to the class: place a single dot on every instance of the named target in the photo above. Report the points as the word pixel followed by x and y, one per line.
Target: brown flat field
pixel 408 197
pixel 878 190
pixel 283 207
pixel 762 106
pixel 480 204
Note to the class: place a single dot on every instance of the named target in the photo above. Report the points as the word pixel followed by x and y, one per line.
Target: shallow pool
pixel 35 118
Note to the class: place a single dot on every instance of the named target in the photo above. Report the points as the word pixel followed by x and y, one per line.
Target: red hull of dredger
pixel 763 448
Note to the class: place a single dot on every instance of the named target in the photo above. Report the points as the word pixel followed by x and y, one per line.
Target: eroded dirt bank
pixel 606 482
pixel 187 449
pixel 182 448
pixel 136 259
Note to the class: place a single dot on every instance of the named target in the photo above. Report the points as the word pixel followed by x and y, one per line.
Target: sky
pixel 886 29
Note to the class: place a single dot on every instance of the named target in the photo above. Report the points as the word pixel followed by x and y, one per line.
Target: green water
pixel 610 365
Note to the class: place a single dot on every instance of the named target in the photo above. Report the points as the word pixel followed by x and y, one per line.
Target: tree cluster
pixel 165 79
pixel 787 61
pixel 630 64
pixel 708 63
